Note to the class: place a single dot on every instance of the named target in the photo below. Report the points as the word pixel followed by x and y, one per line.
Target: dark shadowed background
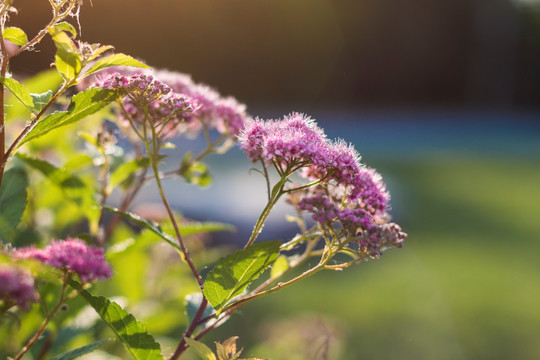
pixel 441 96
pixel 326 52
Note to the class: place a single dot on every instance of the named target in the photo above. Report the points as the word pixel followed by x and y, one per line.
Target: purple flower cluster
pixel 350 198
pixel 327 206
pixel 374 240
pixel 145 97
pixel 73 255
pixel 354 224
pixel 297 142
pixel 370 191
pixel 143 88
pixel 294 140
pixel 17 286
pixel 225 114
pixel 323 209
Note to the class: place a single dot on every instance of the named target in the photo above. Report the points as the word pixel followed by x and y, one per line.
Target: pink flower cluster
pixel 350 198
pixel 17 286
pixel 225 114
pixel 294 140
pixel 297 142
pixel 352 222
pixel 72 255
pixel 374 240
pixel 147 97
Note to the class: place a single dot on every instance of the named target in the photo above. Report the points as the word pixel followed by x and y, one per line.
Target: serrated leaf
pixel 12 199
pixel 40 100
pixel 83 104
pixel 233 273
pixel 65 26
pixel 139 343
pixel 15 35
pixel 201 349
pixel 279 267
pixel 115 60
pixel 19 91
pixel 80 351
pixel 147 224
pixel 194 228
pixel 192 303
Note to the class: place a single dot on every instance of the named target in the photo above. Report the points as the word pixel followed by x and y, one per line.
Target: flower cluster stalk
pixel 62 299
pixel 152 149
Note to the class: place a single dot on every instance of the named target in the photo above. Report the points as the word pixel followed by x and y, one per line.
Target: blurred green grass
pixel 465 286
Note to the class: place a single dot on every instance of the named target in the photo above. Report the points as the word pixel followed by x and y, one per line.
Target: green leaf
pixel 67 59
pixel 199 174
pixel 97 51
pixel 68 64
pixel 40 83
pixel 126 170
pixel 19 91
pixel 72 187
pixel 12 199
pixel 80 351
pixel 58 176
pixel 40 100
pixel 115 60
pixel 15 35
pixel 62 41
pixel 147 225
pixel 139 343
pixel 78 162
pixel 201 349
pixel 233 273
pixel 65 26
pixel 194 172
pixel 192 303
pixel 279 267
pixel 83 104
pixel 194 228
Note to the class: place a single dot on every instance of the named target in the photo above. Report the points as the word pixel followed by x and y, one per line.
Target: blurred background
pixel 442 97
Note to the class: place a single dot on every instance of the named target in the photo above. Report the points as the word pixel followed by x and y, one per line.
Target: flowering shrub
pixel 127 114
